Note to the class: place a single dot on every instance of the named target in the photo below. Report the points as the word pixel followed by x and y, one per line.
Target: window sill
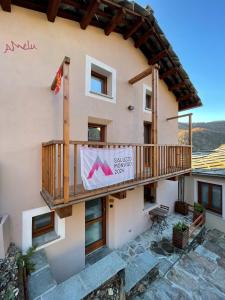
pixel 208 211
pixel 148 207
pixel 147 110
pixel 102 96
pixel 46 239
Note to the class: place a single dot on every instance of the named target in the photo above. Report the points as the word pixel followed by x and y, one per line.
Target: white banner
pixel 104 167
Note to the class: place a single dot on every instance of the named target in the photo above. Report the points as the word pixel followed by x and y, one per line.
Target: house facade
pixel 207 185
pixel 105 111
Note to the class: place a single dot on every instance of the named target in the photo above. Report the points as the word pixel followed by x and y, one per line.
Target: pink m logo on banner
pixel 99 164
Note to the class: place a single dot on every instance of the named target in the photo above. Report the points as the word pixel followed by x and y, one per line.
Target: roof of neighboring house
pixel 211 163
pixel 130 20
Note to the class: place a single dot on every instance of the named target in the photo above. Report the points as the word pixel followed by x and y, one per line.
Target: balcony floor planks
pixel 82 195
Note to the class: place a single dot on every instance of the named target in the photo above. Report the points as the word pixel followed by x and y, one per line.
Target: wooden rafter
pixel 91 10
pixel 52 11
pixel 186 97
pixel 144 38
pixel 192 105
pixel 140 76
pixel 115 21
pixel 169 73
pixel 157 57
pixel 6 5
pixel 177 86
pixel 134 28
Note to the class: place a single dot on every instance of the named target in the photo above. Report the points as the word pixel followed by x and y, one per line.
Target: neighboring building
pixel 104 107
pixel 207 185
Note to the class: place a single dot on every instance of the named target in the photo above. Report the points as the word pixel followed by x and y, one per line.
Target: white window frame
pixel 101 68
pixel 146 89
pixel 27 216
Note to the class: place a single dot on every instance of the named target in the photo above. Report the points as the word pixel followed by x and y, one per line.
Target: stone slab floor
pixel 197 275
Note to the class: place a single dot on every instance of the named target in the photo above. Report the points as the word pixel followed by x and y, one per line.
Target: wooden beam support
pixel 89 14
pixel 134 28
pixel 66 132
pixel 115 21
pixel 144 38
pixel 186 97
pixel 177 86
pixel 64 212
pixel 168 73
pixel 157 57
pixel 6 5
pixel 140 76
pixel 190 129
pixel 120 195
pixel 180 116
pixel 53 8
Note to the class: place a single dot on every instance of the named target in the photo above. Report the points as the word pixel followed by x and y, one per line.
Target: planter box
pixel 196 214
pixel 181 207
pixel 180 238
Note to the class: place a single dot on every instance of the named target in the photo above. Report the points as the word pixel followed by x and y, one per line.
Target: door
pixel 95 224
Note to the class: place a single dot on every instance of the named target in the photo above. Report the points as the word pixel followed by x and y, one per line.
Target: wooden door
pixel 95 224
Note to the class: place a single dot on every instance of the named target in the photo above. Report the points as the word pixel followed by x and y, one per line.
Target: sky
pixel 196 31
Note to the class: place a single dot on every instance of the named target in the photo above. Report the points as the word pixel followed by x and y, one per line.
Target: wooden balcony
pixel 151 163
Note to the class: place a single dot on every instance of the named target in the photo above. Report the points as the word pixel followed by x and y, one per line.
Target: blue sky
pixel 196 31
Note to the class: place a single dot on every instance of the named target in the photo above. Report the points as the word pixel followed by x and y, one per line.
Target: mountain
pixel 205 136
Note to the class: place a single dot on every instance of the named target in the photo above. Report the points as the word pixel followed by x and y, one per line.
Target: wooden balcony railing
pixel 152 163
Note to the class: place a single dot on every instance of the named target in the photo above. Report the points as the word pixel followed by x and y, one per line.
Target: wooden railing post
pixel 66 129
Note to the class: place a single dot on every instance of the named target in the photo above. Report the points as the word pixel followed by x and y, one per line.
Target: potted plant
pixel 180 235
pixel 198 210
pixel 181 207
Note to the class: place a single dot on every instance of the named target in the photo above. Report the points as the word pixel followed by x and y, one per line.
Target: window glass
pixel 205 194
pixel 98 83
pixel 147 101
pixel 93 233
pixel 94 134
pixel 93 209
pixel 42 224
pixel 216 197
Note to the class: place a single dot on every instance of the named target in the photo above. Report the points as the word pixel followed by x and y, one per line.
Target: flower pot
pixel 180 238
pixel 181 207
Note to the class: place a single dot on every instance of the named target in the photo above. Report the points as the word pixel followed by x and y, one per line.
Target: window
pixel 147 133
pixel 41 227
pixel 98 83
pixel 149 195
pixel 148 105
pixel 210 196
pixel 100 80
pixel 96 133
pixel 147 98
pixel 43 223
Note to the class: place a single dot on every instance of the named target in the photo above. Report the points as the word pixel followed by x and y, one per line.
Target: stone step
pixel 40 283
pixel 39 258
pixel 138 268
pixel 90 279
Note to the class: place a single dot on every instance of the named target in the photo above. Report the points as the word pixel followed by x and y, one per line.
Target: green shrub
pixel 198 208
pixel 180 226
pixel 25 260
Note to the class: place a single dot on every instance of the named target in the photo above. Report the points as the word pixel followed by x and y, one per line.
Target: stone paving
pixel 159 244
pixel 197 275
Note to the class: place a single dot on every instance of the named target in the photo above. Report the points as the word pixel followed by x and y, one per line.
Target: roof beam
pixel 53 8
pixel 177 86
pixel 6 5
pixel 134 28
pixel 89 14
pixel 144 38
pixel 115 21
pixel 140 76
pixel 168 73
pixel 186 97
pixel 157 57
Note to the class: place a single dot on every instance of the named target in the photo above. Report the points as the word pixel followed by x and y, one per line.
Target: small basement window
pixel 148 100
pixel 100 80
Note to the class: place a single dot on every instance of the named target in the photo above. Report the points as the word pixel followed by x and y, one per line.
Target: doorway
pixel 95 224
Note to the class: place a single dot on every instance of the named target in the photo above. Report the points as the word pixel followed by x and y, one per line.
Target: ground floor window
pixel 41 227
pixel 210 196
